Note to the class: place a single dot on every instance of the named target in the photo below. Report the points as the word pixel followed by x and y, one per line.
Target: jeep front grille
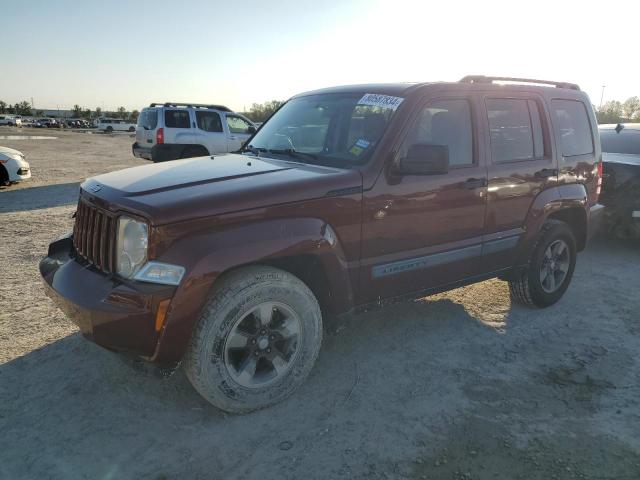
pixel 94 236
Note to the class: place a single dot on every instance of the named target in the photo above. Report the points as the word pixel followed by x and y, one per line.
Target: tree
pixel 259 112
pixel 86 114
pixel 77 111
pixel 3 107
pixel 98 112
pixel 631 108
pixel 610 112
pixel 133 117
pixel 122 112
pixel 24 108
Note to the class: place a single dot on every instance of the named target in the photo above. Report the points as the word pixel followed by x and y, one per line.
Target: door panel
pixel 521 165
pixel 422 231
pixel 237 132
pixel 209 131
pixel 177 126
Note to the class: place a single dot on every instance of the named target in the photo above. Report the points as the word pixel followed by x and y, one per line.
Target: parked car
pixel 10 120
pixel 170 131
pixel 49 123
pixel 13 166
pixel 621 187
pixel 346 197
pixel 109 125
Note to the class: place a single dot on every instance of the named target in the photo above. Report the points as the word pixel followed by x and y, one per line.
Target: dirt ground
pixel 458 386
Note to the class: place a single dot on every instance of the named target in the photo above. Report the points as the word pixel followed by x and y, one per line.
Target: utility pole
pixel 601 97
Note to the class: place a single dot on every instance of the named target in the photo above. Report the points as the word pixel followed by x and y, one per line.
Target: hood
pixel 181 190
pixel 10 151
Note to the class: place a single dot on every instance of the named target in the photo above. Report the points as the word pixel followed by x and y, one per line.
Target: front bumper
pixel 116 315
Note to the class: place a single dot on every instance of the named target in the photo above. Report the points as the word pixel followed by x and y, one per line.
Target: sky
pixel 133 52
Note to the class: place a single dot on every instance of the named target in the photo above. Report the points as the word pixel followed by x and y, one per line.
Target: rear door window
pixel 208 121
pixel 572 127
pixel 148 119
pixel 516 129
pixel 176 119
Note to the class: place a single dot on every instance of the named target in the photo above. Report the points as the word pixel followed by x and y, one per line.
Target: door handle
pixel 232 137
pixel 473 183
pixel 546 173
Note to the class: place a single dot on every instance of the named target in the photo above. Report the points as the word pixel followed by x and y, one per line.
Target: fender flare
pixel 211 254
pixel 549 202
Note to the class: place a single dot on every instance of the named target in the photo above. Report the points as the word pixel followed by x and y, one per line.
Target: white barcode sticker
pixel 382 101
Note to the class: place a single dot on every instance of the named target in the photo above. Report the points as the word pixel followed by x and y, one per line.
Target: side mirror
pixel 251 129
pixel 425 159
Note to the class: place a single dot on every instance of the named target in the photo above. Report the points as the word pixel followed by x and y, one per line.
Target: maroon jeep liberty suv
pixel 345 197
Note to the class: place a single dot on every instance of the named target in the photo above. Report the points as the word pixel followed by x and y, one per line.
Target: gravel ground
pixel 458 386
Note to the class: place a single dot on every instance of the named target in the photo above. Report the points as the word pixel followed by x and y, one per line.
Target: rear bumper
pixel 596 219
pixel 115 315
pixel 141 152
pixel 158 153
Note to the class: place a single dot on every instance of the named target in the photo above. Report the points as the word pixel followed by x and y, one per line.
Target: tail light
pixel 599 187
pixel 160 136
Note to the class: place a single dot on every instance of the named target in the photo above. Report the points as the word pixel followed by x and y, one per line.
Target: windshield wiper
pixel 292 152
pixel 255 150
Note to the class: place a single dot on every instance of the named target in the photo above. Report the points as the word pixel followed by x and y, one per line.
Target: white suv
pixel 170 131
pixel 11 120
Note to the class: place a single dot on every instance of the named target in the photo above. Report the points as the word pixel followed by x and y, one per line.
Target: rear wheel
pixel 256 340
pixel 550 268
pixel 132 129
pixel 109 129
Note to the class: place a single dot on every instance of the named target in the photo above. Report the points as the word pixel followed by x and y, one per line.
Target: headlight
pixel 131 254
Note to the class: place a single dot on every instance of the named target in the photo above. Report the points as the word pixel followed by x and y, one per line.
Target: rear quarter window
pixel 176 119
pixel 572 127
pixel 148 119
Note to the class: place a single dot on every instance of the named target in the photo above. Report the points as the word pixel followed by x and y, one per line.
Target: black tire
pixel 527 288
pixel 109 129
pixel 4 176
pixel 132 129
pixel 208 364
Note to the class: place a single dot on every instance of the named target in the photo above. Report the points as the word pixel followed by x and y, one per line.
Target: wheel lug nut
pixel 268 350
pixel 256 354
pixel 272 337
pixel 253 342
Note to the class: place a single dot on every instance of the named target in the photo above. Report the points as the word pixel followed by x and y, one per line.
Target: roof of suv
pixel 192 105
pixel 473 82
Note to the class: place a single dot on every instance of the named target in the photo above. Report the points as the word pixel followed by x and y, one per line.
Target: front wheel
pixel 550 268
pixel 256 340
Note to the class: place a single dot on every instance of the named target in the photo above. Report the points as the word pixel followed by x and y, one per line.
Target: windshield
pixel 335 129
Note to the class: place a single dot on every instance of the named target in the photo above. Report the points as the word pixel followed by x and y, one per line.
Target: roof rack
pixel 484 79
pixel 194 105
